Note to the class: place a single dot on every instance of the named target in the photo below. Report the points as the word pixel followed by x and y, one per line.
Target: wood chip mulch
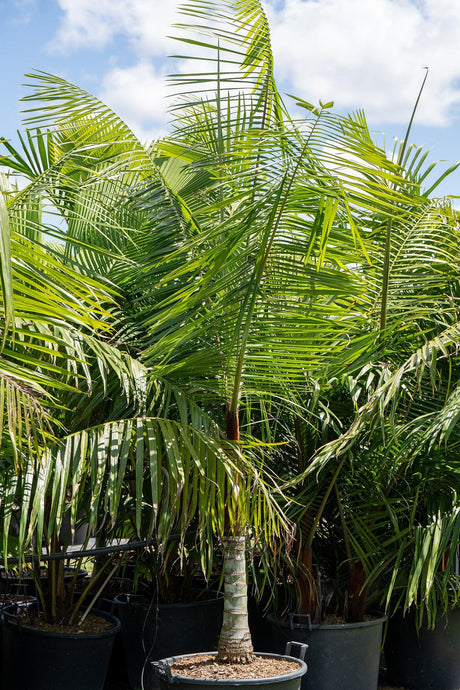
pixel 205 666
pixel 91 624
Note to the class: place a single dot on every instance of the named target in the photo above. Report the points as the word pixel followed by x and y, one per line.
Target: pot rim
pixel 8 620
pixel 379 619
pixel 174 677
pixel 119 599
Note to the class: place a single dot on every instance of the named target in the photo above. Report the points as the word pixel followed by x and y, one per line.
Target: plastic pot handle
pixel 303 616
pixel 162 671
pixel 301 651
pixel 12 618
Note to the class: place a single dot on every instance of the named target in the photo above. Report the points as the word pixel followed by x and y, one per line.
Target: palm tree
pixel 399 450
pixel 51 314
pixel 231 247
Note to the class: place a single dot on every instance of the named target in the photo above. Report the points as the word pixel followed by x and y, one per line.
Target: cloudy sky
pixel 366 54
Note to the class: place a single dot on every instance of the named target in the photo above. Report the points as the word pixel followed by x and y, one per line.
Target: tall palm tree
pixel 232 247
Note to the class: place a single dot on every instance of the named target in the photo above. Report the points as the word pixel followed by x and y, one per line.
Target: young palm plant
pixel 401 267
pixel 401 445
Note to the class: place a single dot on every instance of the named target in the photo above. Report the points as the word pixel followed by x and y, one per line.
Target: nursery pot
pixel 345 656
pixel 118 667
pixel 287 681
pixel 39 660
pixel 427 659
pixel 17 594
pixel 153 632
pixel 17 603
pixel 259 625
pixel 115 586
pixel 10 583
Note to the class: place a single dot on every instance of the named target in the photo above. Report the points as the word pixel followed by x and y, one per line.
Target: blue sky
pixel 360 53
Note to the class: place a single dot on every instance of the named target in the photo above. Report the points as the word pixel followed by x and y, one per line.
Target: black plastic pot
pixel 288 681
pixel 19 601
pixel 259 626
pixel 151 632
pixel 115 586
pixel 40 660
pixel 345 656
pixel 118 667
pixel 429 659
pixel 11 582
pixel 258 607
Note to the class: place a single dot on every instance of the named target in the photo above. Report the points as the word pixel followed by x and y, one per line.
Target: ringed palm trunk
pixel 235 644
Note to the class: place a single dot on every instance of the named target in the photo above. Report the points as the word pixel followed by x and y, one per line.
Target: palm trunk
pixel 305 583
pixel 357 594
pixel 235 645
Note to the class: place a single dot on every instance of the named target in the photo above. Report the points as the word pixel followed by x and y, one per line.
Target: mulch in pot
pixel 206 666
pixel 91 624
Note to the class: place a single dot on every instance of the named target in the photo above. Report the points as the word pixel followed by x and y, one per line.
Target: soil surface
pixel 206 666
pixel 91 624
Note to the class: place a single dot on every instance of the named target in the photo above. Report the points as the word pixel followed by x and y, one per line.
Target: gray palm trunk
pixel 235 644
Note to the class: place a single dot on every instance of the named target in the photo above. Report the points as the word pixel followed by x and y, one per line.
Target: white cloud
pixel 370 54
pixel 360 53
pixel 94 24
pixel 138 95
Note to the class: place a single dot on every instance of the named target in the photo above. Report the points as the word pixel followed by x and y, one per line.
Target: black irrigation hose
pixel 154 601
pixel 87 553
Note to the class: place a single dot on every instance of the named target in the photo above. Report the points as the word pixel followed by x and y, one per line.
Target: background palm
pixel 391 468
